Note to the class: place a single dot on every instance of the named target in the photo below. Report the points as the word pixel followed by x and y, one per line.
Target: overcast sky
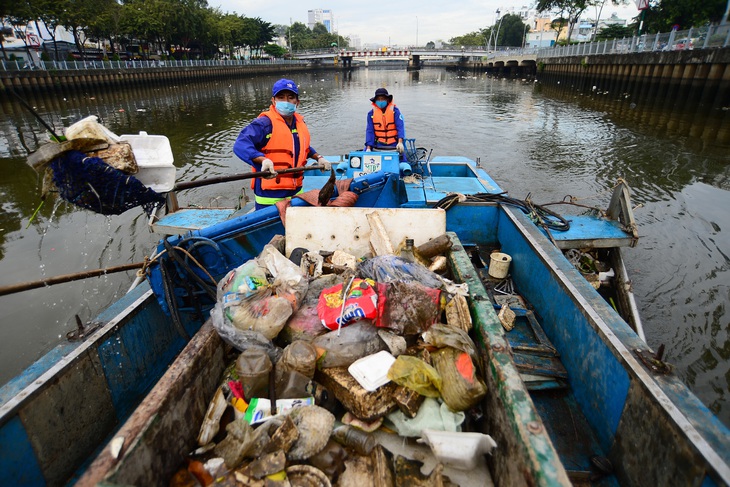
pixel 395 22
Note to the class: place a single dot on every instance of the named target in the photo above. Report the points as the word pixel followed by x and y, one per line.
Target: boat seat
pixel 186 219
pixel 590 232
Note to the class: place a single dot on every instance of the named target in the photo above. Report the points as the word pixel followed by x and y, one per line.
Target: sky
pixel 395 23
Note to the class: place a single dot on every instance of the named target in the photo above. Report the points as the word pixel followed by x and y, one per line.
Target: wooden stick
pixel 25 286
pixel 238 177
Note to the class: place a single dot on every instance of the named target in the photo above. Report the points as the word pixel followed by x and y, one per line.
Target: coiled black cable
pixel 538 214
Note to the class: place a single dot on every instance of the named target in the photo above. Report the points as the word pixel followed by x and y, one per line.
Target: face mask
pixel 381 103
pixel 285 108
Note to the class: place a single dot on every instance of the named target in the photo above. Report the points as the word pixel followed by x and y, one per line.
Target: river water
pixel 529 138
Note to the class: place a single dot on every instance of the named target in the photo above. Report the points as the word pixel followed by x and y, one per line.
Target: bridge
pixel 415 56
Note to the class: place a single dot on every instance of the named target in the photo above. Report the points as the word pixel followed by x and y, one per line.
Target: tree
pixel 568 10
pixel 663 15
pixel 513 30
pixel 257 33
pixel 614 32
pixel 298 36
pixel 274 50
pixel 106 22
pixel 476 38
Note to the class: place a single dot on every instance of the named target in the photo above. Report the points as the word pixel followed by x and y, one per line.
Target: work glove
pixel 327 165
pixel 268 165
pixel 399 147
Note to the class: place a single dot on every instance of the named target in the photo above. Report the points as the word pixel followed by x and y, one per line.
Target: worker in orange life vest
pixel 385 126
pixel 278 139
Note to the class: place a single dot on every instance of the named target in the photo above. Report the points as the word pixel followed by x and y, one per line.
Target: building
pixel 320 16
pixel 541 33
pixel 354 41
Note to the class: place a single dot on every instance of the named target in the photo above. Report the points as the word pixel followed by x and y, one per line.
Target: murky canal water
pixel 530 139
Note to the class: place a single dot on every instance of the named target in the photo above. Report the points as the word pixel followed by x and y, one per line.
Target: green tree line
pixel 179 28
pixel 509 31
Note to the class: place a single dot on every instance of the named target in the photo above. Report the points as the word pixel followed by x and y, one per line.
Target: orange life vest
pixel 280 149
pixel 384 127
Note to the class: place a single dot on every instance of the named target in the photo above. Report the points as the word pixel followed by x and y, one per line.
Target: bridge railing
pixel 140 64
pixel 678 40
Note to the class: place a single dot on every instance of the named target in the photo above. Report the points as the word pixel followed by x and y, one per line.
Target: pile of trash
pixel 337 354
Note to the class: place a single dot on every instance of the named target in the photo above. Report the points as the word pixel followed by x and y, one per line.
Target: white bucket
pixel 499 265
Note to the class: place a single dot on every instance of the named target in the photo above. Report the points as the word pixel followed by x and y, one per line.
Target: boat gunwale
pixel 620 350
pixel 27 393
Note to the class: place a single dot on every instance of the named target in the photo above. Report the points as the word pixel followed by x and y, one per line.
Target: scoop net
pixel 91 183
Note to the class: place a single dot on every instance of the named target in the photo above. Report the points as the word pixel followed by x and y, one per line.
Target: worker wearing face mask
pixel 386 129
pixel 278 139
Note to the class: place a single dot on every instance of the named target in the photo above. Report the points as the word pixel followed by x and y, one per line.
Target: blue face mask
pixel 285 108
pixel 381 103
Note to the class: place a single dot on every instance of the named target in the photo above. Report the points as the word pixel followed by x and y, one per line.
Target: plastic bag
pixel 408 308
pixel 440 336
pixel 431 415
pixel 340 348
pixel 461 387
pixel 244 281
pixel 415 374
pixel 305 324
pixel 360 303
pixel 261 294
pixel 289 281
pixel 389 268
pixel 242 339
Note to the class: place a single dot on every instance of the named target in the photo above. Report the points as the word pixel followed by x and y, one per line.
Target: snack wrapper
pixel 360 303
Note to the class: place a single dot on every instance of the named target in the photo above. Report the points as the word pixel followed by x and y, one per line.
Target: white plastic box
pixel 154 158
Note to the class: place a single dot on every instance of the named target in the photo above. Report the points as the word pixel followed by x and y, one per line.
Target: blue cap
pixel 285 84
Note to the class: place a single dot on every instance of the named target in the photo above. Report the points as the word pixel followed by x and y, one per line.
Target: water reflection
pixel 657 113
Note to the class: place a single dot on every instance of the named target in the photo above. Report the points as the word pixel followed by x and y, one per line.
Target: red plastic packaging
pixel 360 303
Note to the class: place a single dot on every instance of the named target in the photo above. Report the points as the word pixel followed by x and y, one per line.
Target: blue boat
pixel 575 395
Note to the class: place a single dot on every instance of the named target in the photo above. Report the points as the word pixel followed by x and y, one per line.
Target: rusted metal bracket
pixel 83 330
pixel 653 361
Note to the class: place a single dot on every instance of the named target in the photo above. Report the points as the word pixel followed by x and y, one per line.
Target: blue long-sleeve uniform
pixel 370 130
pixel 248 146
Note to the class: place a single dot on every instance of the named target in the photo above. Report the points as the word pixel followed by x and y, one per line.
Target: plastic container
pixel 154 158
pixel 499 265
pixel 90 128
pixel 456 449
pixel 356 439
pixel 253 367
pixel 371 372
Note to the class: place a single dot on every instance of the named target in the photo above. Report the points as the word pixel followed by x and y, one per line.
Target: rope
pixel 537 213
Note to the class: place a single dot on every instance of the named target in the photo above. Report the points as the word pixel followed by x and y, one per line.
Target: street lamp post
pixel 496 36
pixel 416 30
pixel 524 34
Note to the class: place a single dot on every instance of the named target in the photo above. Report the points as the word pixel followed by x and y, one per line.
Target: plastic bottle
pixel 291 384
pixel 407 252
pixel 253 367
pixel 360 441
pixel 301 356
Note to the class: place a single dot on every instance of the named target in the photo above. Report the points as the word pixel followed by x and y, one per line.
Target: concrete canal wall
pixel 700 76
pixel 75 80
